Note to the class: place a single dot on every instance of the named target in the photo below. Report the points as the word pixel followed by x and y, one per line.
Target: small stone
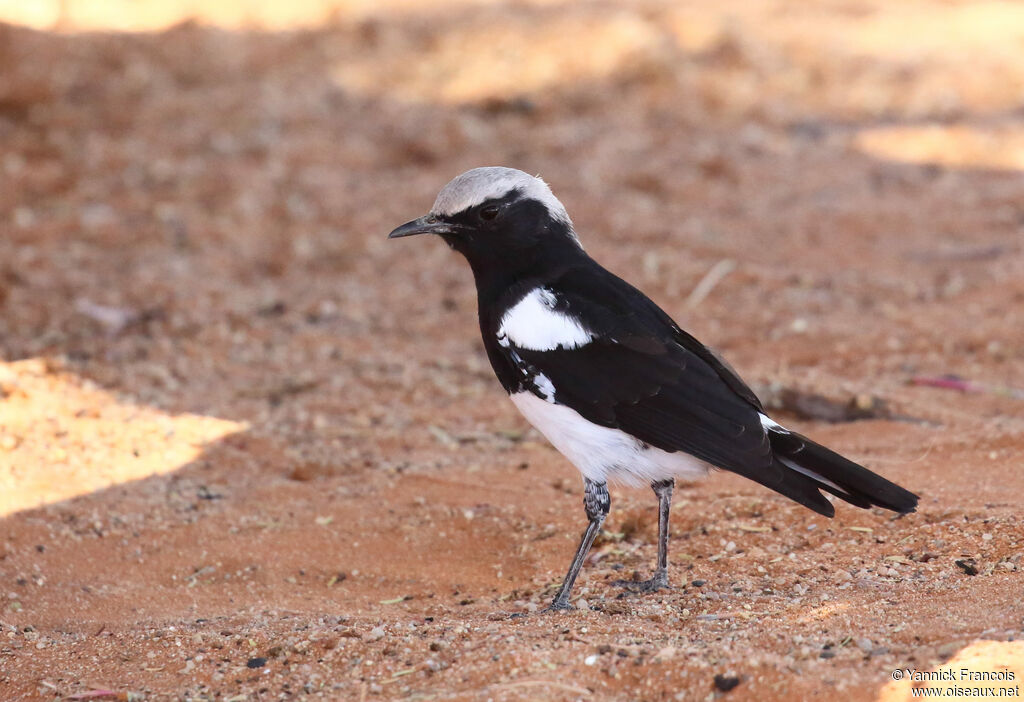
pixel 258 662
pixel 968 566
pixel 699 583
pixel 590 660
pixel 865 644
pixel 666 653
pixel 376 634
pixel 949 649
pixel 726 682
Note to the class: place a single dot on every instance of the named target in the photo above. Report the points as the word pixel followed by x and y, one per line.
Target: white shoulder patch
pixel 534 324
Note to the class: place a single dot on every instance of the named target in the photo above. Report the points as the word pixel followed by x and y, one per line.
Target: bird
pixel 612 382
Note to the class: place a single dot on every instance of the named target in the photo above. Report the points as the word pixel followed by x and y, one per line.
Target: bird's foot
pixel 658 582
pixel 557 606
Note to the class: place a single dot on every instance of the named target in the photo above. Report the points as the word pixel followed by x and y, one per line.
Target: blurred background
pixel 202 324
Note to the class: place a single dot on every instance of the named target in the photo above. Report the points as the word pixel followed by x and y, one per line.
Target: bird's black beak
pixel 428 224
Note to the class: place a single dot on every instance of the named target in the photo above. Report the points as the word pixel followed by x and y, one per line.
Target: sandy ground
pixel 251 450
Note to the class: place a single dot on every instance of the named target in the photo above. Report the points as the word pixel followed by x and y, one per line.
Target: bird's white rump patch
pixel 533 323
pixel 602 453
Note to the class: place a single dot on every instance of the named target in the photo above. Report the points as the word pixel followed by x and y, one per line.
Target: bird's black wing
pixel 642 374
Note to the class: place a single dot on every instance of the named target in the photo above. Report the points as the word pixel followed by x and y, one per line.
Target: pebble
pixel 726 682
pixel 376 634
pixel 950 648
pixel 968 566
pixel 865 644
pixel 666 653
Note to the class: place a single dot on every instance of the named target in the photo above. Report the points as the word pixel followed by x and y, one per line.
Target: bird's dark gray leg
pixel 663 489
pixel 596 502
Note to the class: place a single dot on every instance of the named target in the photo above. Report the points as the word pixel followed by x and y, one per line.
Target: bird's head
pixel 496 215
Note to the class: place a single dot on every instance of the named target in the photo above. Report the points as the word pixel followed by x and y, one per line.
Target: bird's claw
pixel 556 607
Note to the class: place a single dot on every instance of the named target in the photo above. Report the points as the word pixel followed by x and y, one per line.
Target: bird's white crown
pixel 479 185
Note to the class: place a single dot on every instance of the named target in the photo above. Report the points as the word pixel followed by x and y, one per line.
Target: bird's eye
pixel 490 212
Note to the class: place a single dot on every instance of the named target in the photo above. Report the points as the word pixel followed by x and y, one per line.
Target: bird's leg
pixel 663 489
pixel 596 502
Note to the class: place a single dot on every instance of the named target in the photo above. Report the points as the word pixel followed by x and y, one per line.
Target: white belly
pixel 601 453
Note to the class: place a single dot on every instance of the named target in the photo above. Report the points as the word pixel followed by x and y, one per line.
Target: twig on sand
pixel 808 405
pixel 97 694
pixel 113 319
pixel 545 683
pixel 955 382
pixel 712 278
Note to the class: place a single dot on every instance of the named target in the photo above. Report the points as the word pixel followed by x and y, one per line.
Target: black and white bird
pixel 607 376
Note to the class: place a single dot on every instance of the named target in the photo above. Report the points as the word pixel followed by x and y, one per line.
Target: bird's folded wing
pixel 641 374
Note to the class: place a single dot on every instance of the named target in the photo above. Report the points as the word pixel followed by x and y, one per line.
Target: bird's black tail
pixel 809 467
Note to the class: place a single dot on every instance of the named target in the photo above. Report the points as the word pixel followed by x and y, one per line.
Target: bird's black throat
pixel 531 246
